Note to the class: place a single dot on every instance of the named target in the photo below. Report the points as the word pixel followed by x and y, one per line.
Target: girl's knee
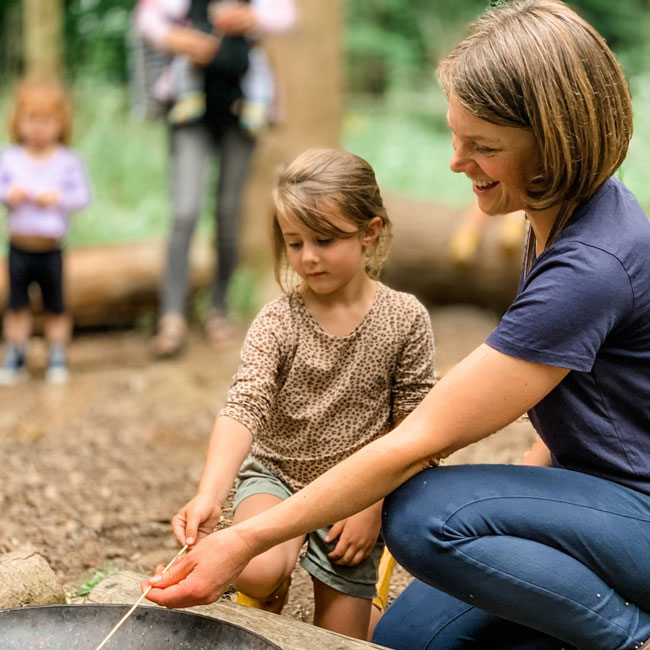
pixel 262 577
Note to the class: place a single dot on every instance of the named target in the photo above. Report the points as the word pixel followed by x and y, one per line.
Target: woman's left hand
pixel 357 536
pixel 203 574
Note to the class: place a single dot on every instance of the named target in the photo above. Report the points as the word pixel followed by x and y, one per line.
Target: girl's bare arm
pixel 538 455
pixel 229 445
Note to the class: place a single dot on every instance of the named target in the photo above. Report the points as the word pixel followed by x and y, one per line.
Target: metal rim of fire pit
pixel 49 627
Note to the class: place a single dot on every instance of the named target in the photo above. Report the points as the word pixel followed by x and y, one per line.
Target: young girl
pixel 328 367
pixel 41 182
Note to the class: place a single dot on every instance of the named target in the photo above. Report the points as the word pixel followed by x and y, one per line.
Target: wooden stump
pixel 27 579
pixel 288 633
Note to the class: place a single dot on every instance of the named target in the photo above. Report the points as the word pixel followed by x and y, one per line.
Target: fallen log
pixel 27 579
pixel 419 261
pixel 115 284
pixel 290 634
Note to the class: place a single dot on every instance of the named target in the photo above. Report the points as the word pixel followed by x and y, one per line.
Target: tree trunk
pixel 308 66
pixel 42 36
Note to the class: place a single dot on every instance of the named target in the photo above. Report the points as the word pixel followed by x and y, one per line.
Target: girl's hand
pixel 357 536
pixel 203 574
pixel 17 195
pixel 196 519
pixel 47 199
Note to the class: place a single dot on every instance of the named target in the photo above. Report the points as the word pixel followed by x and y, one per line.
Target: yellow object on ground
pixel 386 566
pixel 274 603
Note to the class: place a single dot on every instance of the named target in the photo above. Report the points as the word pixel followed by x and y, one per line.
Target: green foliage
pixel 390 44
pixel 625 25
pixel 394 45
pixel 96 37
pixel 98 576
pixel 127 165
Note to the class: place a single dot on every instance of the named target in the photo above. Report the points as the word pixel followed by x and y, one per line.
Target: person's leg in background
pixel 190 148
pixel 17 320
pixel 560 552
pixel 58 324
pixel 236 148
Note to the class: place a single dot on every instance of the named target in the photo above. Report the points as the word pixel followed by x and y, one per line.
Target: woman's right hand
pixel 197 519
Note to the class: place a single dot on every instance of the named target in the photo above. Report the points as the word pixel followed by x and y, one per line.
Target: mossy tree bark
pixel 42 38
pixel 308 65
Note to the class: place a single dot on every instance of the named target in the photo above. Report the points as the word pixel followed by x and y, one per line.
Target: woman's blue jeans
pixel 520 558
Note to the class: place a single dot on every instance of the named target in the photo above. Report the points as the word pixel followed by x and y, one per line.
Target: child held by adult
pixel 326 368
pixel 41 183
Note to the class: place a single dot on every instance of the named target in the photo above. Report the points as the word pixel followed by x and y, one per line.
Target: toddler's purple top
pixel 63 172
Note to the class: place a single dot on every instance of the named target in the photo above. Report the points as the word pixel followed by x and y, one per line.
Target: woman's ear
pixel 372 230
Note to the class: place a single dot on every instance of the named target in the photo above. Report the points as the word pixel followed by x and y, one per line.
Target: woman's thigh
pixel 424 618
pixel 601 524
pixel 560 551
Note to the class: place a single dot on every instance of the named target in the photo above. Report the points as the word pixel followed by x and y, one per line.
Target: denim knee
pixel 413 525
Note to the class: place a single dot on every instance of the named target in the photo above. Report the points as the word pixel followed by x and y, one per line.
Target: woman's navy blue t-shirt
pixel 585 305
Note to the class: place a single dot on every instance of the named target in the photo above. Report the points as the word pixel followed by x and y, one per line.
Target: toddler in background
pixel 41 183
pixel 326 368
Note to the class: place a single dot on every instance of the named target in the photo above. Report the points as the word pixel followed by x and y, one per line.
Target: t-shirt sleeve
pixel 414 376
pixel 75 188
pixel 255 384
pixel 6 178
pixel 572 300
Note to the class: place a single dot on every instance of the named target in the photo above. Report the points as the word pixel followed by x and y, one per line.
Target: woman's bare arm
pixel 482 394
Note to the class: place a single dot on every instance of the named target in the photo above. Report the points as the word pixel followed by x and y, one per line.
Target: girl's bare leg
pixel 17 326
pixel 267 574
pixel 57 328
pixel 339 612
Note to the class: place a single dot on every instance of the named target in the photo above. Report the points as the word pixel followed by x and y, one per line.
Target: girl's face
pixel 327 264
pixel 38 129
pixel 499 160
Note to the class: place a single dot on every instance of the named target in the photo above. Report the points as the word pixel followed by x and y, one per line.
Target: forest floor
pixel 92 471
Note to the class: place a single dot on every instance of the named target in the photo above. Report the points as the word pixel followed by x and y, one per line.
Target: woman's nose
pixel 459 160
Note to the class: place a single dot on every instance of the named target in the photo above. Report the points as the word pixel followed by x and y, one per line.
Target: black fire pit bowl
pixel 84 627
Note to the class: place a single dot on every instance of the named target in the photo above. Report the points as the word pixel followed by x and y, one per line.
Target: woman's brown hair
pixel 537 65
pixel 42 97
pixel 320 182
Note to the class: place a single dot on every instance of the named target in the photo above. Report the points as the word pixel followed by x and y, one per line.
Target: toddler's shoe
pixel 188 108
pixel 13 369
pixel 57 368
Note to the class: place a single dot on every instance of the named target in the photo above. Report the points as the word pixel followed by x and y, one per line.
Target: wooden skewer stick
pixel 137 602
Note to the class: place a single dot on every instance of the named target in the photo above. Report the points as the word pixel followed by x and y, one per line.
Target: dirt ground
pixel 93 471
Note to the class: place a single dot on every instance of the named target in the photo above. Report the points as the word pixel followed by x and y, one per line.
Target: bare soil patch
pixel 93 471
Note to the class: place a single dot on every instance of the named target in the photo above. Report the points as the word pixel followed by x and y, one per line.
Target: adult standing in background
pixel 219 89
